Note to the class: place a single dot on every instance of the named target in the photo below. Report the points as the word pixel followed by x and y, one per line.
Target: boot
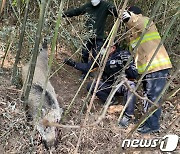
pixel 147 130
pixel 125 121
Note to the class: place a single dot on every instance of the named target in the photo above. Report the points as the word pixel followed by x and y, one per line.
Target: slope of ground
pixel 16 135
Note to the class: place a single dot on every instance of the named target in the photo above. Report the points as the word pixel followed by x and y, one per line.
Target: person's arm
pixel 75 12
pixel 84 67
pixel 131 71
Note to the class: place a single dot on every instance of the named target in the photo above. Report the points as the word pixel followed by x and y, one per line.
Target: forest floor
pixel 104 138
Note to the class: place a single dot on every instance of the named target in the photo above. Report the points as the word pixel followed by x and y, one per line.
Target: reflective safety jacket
pixel 148 45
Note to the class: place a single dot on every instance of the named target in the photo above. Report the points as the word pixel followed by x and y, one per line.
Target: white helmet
pixel 95 2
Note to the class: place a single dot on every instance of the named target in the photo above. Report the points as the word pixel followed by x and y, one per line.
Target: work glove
pixel 124 57
pixel 126 16
pixel 70 62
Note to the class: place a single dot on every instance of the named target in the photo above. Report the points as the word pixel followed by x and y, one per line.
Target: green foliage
pixel 18 2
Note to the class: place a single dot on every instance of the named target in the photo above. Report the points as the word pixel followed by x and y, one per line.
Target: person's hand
pixel 126 16
pixel 70 62
pixel 124 57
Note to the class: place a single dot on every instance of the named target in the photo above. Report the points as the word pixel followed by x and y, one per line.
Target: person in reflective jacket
pixel 97 12
pixel 155 78
pixel 114 65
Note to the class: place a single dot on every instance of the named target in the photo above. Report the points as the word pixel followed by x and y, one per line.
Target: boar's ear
pixel 44 45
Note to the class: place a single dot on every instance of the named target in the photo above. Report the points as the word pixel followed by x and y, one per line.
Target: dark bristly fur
pixel 48 96
pixel 50 107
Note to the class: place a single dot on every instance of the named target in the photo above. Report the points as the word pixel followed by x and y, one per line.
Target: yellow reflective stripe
pixel 150 38
pixel 147 37
pixel 154 64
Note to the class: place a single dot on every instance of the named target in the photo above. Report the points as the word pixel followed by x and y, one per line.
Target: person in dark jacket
pixel 114 65
pixel 97 12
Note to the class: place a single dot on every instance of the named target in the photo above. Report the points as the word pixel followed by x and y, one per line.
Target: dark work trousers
pixel 93 45
pixel 104 90
pixel 153 84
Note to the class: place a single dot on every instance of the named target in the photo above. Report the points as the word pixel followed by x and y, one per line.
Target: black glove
pixel 124 57
pixel 126 16
pixel 70 62
pixel 63 15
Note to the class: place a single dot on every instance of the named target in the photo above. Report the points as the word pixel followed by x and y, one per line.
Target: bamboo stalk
pixel 173 92
pixel 51 56
pixel 19 20
pixel 21 38
pixel 87 97
pixel 61 65
pixel 26 89
pixel 103 62
pixel 31 69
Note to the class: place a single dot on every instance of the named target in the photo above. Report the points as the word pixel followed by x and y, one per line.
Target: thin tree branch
pixel 136 94
pixel 103 62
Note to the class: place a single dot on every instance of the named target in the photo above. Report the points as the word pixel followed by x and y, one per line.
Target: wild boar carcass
pixel 50 109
